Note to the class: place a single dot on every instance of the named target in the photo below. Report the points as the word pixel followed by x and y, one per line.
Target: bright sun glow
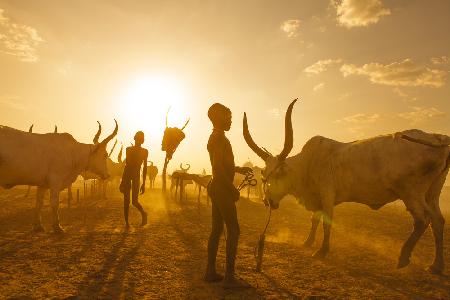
pixel 144 103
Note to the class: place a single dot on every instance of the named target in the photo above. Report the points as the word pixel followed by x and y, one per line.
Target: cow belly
pixel 10 177
pixel 372 195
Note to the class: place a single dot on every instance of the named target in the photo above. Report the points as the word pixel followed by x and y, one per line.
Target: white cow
pixel 411 165
pixel 49 161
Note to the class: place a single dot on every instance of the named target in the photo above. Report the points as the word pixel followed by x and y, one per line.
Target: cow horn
pixel 288 132
pixel 185 169
pixel 187 122
pixel 56 129
pixel 112 149
pixel 119 157
pixel 167 116
pixel 97 135
pixel 110 137
pixel 248 138
pixel 31 128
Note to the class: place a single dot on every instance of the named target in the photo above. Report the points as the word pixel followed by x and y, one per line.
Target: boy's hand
pixel 244 170
pixel 143 188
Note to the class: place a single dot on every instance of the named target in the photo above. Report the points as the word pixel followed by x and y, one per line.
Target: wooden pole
pixel 164 174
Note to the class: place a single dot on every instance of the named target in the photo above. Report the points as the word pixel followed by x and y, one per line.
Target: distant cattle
pixel 152 172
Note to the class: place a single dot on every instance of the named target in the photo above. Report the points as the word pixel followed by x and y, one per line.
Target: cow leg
pixel 54 200
pixel 327 217
pixel 437 224
pixel 28 192
pixel 69 195
pixel 315 219
pixel 37 226
pixel 421 221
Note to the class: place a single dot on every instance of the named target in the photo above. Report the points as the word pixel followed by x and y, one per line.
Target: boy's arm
pixel 243 170
pixel 144 172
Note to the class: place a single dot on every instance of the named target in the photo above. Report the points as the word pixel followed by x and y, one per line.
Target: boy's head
pixel 220 116
pixel 139 138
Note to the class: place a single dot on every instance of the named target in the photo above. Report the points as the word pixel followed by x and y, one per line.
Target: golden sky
pixel 360 68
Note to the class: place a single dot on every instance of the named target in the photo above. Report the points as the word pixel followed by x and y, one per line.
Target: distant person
pixel 223 197
pixel 136 156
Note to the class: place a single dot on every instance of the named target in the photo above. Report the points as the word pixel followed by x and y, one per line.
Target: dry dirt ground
pixel 97 259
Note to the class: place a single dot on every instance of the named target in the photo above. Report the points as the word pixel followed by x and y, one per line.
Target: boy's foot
pixel 213 277
pixel 234 283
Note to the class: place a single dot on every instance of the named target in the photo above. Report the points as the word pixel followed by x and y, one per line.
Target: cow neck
pixel 89 157
pixel 83 155
pixel 295 177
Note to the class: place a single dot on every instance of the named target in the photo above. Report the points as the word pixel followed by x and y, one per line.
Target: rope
pixel 247 181
pixel 259 248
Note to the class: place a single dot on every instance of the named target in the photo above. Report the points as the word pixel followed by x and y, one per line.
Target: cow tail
pixel 447 162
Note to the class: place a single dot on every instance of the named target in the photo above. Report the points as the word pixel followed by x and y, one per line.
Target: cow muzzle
pixel 273 205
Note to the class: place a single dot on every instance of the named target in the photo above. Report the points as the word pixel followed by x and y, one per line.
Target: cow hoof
pixel 321 253
pixel 402 262
pixel 436 270
pixel 38 228
pixel 58 229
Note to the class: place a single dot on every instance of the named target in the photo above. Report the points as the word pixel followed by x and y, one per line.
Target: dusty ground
pixel 96 258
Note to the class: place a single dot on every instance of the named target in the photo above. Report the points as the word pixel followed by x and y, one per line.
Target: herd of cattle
pixel 53 161
pixel 411 165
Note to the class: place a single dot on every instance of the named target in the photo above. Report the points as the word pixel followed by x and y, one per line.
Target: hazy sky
pixel 360 68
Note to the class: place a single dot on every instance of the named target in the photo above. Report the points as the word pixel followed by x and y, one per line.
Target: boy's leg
pixel 126 187
pixel 213 244
pixel 135 200
pixel 229 213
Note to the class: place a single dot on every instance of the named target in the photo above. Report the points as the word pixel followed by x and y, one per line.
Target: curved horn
pixel 288 132
pixel 112 149
pixel 187 122
pixel 167 116
pixel 119 157
pixel 185 169
pixel 110 137
pixel 31 128
pixel 56 129
pixel 248 138
pixel 97 135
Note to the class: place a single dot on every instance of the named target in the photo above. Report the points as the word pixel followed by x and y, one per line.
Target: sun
pixel 145 100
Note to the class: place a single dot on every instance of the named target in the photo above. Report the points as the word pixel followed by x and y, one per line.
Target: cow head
pixel 97 162
pixel 275 179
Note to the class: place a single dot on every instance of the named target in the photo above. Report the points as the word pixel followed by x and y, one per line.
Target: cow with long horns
pixel 152 173
pixel 48 161
pixel 411 165
pixel 176 179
